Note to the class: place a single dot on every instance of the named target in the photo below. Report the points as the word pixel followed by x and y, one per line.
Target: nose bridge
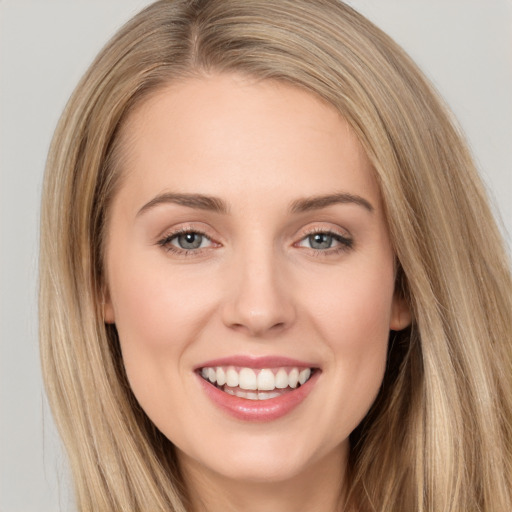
pixel 259 300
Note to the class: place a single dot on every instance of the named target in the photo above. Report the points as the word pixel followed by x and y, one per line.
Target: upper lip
pixel 256 362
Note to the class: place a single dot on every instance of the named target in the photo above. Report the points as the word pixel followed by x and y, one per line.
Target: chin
pixel 252 469
pixel 254 459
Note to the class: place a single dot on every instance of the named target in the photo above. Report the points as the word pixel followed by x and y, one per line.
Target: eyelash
pixel 345 243
pixel 166 242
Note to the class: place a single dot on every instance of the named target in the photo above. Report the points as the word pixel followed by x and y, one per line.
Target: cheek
pixel 157 307
pixel 158 314
pixel 354 308
pixel 353 317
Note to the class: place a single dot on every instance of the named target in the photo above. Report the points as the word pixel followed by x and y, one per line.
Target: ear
pixel 400 313
pixel 108 308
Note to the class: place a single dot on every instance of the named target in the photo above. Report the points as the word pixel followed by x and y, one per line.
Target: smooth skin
pixel 259 270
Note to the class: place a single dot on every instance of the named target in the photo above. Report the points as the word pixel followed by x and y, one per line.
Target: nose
pixel 259 298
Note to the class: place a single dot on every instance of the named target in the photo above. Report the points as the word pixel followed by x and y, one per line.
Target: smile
pixel 256 384
pixel 257 389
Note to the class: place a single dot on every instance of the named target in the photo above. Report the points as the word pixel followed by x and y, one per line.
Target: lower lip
pixel 259 410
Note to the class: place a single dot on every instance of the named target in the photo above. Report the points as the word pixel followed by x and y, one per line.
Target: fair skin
pixel 262 270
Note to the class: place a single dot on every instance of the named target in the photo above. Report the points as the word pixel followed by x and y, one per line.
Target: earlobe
pixel 107 308
pixel 400 315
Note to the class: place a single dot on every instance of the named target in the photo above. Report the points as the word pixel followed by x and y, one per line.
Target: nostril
pixel 258 328
pixel 258 301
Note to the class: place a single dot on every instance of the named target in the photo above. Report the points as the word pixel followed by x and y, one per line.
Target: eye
pixel 320 241
pixel 325 241
pixel 186 241
pixel 189 241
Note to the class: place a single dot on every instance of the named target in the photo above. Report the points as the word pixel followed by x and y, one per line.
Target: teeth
pixel 266 380
pixel 293 378
pixel 249 379
pixel 212 375
pixel 281 379
pixel 221 377
pixel 267 396
pixel 232 378
pixel 251 395
pixel 303 376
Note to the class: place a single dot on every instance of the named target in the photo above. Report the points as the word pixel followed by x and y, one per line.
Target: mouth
pixel 254 390
pixel 254 383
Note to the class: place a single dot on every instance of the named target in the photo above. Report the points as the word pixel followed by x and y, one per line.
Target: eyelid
pixel 319 227
pixel 186 227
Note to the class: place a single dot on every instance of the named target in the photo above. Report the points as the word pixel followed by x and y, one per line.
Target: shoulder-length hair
pixel 439 436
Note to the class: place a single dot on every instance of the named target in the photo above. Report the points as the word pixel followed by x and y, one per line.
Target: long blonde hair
pixel 439 436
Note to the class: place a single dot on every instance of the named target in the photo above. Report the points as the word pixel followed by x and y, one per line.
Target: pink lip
pixel 256 362
pixel 258 410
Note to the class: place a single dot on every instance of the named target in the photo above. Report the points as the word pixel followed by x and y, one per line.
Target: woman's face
pixel 247 245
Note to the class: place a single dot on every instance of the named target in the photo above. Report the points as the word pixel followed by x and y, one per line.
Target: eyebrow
pixel 197 201
pixel 319 202
pixel 217 205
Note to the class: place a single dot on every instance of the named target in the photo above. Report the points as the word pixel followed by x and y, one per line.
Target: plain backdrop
pixel 464 46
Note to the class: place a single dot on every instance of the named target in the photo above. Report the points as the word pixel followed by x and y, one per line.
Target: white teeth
pixel 247 379
pixel 303 376
pixel 221 376
pixel 266 380
pixel 293 378
pixel 232 378
pixel 266 396
pixel 212 375
pixel 281 379
pixel 251 395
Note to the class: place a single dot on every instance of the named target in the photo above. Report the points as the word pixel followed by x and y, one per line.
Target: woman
pixel 276 273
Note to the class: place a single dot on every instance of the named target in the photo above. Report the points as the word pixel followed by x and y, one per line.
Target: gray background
pixel 464 46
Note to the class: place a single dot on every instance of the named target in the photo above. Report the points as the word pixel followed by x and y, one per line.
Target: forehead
pixel 244 134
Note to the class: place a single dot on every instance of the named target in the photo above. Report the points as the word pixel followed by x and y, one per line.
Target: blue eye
pixel 325 240
pixel 320 241
pixel 185 241
pixel 188 241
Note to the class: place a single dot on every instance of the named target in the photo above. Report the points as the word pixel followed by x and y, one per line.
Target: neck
pixel 318 487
